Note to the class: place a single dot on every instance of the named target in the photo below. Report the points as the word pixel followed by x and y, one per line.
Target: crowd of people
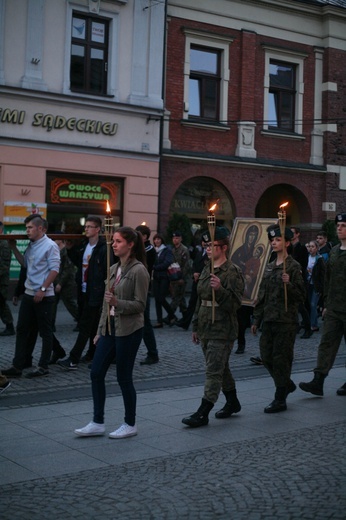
pixel 112 309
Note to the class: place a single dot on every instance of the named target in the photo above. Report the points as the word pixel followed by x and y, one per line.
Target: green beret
pixel 274 231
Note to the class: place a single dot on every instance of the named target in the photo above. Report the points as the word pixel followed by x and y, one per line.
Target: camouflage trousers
pixel 68 296
pixel 218 374
pixel 5 311
pixel 334 328
pixel 276 348
pixel 178 296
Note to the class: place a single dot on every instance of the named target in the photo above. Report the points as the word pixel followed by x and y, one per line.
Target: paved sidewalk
pixel 251 466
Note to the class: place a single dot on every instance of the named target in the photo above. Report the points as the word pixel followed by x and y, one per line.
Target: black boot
pixel 341 390
pixel 279 403
pixel 199 418
pixel 315 386
pixel 232 405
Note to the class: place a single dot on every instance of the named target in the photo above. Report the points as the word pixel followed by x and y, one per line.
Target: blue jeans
pixel 34 313
pixel 124 349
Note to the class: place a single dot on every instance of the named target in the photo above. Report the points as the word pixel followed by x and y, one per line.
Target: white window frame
pixel 112 73
pixel 291 58
pixel 210 41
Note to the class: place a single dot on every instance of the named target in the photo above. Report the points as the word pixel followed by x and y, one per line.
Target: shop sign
pixel 57 122
pixel 16 212
pixel 64 190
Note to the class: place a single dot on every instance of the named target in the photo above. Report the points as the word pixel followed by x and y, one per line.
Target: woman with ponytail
pixel 127 296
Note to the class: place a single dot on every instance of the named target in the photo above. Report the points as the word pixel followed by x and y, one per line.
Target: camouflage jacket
pixel 5 262
pixel 67 271
pixel 335 281
pixel 270 304
pixel 182 256
pixel 228 300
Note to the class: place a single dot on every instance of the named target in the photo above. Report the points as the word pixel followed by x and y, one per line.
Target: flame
pixel 108 208
pixel 144 223
pixel 213 207
pixel 284 205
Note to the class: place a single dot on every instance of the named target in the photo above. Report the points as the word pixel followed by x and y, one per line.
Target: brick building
pixel 255 96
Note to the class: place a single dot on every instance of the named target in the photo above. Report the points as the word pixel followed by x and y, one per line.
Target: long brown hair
pixel 131 235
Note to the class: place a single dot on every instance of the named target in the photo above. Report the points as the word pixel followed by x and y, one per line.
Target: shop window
pixel 89 54
pixel 282 94
pixel 204 84
pixel 283 91
pixel 206 78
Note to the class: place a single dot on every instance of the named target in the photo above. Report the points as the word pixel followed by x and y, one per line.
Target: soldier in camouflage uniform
pixel 278 325
pixel 334 327
pixel 217 338
pixel 5 262
pixel 181 255
pixel 65 284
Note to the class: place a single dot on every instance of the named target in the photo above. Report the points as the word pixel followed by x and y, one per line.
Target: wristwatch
pixel 43 289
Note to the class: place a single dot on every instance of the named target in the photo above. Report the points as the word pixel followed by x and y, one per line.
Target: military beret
pixel 177 234
pixel 274 231
pixel 341 217
pixel 220 234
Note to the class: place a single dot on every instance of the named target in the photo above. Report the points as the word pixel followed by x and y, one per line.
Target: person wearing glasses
pixel 91 260
pixel 217 335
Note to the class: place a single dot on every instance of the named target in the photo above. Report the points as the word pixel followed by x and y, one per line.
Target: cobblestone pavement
pixel 181 362
pixel 253 467
pixel 291 477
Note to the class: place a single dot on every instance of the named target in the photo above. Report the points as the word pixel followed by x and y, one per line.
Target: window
pixel 282 94
pixel 89 54
pixel 206 79
pixel 283 91
pixel 204 83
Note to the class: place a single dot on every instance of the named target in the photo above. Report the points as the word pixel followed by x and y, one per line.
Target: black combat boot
pixel 315 386
pixel 279 403
pixel 199 418
pixel 232 405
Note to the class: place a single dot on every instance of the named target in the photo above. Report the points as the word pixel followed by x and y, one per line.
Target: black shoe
pixel 38 372
pixel 341 390
pixel 67 364
pixel 181 324
pixel 240 349
pixel 149 361
pixel 196 420
pixel 56 356
pixel 276 406
pixel 256 360
pixel 158 326
pixel 228 410
pixel 307 334
pixel 11 372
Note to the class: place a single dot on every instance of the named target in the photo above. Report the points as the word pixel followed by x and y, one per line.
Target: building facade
pixel 254 96
pixel 80 109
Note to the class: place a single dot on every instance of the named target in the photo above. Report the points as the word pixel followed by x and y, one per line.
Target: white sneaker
pixel 124 431
pixel 90 430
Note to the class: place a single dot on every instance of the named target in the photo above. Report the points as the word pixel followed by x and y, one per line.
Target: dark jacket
pixel 301 255
pixel 317 275
pixel 150 254
pixel 162 262
pixel 97 270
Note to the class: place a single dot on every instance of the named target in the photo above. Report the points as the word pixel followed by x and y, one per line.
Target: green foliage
pixel 330 228
pixel 179 223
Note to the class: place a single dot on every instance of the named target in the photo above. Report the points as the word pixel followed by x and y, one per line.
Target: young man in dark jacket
pixel 91 261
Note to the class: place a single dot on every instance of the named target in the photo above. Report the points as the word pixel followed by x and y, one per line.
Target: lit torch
pixel 108 234
pixel 211 229
pixel 282 224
